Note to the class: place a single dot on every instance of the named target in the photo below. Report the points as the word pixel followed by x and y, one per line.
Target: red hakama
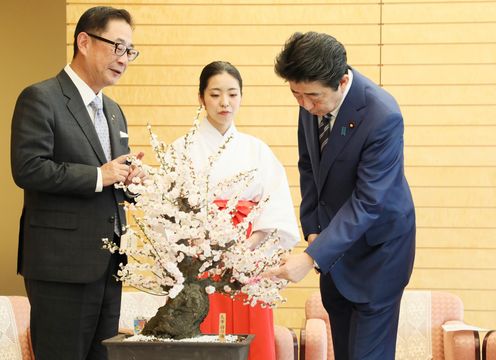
pixel 242 319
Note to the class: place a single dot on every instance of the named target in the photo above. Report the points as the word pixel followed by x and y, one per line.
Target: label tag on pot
pixel 139 324
pixel 222 327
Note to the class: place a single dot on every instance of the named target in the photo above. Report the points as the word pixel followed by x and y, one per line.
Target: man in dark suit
pixel 67 154
pixel 356 212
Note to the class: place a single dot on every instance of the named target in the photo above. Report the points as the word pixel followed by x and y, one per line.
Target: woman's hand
pixel 255 239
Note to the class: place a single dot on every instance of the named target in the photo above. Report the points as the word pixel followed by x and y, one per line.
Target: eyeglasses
pixel 120 49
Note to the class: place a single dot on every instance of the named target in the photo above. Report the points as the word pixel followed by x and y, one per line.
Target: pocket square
pixel 123 134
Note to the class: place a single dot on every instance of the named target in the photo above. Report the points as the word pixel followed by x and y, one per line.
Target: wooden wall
pixel 33 45
pixel 438 58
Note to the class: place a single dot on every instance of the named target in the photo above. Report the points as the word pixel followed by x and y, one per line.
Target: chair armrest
pixel 286 343
pixel 461 345
pixel 127 331
pixel 313 340
pixel 15 314
pixel 489 346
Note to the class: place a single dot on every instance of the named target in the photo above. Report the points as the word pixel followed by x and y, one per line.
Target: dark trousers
pixel 69 321
pixel 361 331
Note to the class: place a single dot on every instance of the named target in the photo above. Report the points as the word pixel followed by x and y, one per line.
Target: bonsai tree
pixel 184 246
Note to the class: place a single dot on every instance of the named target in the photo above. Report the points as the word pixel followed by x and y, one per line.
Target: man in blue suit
pixel 356 212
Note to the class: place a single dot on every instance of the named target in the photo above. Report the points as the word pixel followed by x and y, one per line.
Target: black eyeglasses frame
pixel 119 48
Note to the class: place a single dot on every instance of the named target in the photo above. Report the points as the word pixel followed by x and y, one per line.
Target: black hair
pixel 312 56
pixel 216 68
pixel 96 19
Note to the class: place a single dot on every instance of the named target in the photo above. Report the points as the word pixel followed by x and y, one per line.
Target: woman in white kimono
pixel 220 93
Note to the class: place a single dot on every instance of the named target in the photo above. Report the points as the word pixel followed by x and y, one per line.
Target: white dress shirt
pixel 87 95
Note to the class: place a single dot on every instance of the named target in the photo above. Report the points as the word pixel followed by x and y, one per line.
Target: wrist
pixel 313 262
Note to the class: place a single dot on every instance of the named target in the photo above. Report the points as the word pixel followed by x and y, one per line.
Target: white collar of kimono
pixel 212 134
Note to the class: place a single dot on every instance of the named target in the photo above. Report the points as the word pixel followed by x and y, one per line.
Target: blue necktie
pixel 101 127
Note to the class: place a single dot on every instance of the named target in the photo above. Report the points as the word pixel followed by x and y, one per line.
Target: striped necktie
pixel 324 131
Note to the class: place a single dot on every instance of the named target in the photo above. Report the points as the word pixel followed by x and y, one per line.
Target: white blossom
pixel 176 222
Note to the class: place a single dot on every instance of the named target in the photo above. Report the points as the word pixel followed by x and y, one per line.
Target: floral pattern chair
pixel 15 339
pixel 420 333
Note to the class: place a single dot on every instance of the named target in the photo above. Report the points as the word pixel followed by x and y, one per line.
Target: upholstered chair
pixel 15 339
pixel 420 332
pixel 489 346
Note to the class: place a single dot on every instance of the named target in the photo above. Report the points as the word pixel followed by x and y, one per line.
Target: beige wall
pixel 437 57
pixel 33 38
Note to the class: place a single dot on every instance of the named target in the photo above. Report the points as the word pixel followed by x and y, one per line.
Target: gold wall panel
pixel 436 57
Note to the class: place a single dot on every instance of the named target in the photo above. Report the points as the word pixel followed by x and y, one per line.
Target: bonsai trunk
pixel 180 317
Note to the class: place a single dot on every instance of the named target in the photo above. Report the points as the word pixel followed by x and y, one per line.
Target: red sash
pixel 243 208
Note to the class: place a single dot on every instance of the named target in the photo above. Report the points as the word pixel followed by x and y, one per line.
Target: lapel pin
pixel 343 130
pixel 113 117
pixel 351 125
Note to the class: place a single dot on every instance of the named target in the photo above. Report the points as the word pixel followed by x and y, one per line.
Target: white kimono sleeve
pixel 278 213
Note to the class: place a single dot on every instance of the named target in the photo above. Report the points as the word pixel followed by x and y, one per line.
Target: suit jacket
pixel 55 152
pixel 356 196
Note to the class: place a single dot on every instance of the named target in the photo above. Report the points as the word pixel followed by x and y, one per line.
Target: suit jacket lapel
pixel 312 140
pixel 344 127
pixel 78 110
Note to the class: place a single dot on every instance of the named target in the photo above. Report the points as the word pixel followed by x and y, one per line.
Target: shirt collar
pixel 84 90
pixel 334 113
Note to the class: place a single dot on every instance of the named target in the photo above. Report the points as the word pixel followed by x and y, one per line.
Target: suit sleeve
pixel 380 166
pixel 33 139
pixel 308 188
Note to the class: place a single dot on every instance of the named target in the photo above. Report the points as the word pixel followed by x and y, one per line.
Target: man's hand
pixel 311 238
pixel 136 171
pixel 115 171
pixel 294 268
